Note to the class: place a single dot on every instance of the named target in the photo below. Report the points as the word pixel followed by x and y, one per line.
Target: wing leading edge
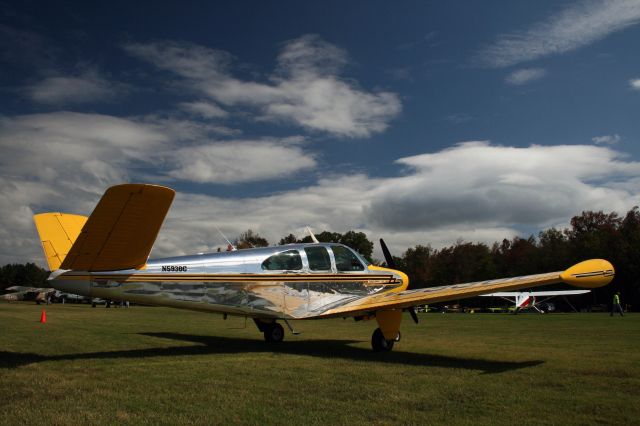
pixel 590 273
pixel 537 293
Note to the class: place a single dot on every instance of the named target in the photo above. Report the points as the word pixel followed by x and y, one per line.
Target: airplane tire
pixel 379 343
pixel 274 333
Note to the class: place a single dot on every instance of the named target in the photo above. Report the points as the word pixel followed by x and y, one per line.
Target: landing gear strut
pixel 380 344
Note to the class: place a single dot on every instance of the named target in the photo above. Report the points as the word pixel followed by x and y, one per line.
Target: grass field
pixel 164 366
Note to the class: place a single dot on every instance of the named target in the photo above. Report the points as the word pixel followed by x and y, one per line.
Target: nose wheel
pixel 379 343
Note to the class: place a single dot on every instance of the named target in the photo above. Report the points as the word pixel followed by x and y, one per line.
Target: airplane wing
pixel 537 293
pixel 591 273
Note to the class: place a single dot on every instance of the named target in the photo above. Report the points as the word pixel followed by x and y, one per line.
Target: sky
pixel 419 122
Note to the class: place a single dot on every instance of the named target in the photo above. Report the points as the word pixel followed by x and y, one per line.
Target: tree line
pixel 590 235
pixel 28 275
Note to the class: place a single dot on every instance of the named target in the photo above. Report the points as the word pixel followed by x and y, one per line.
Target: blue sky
pixel 420 122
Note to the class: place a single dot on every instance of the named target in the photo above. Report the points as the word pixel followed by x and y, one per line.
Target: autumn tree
pixel 249 239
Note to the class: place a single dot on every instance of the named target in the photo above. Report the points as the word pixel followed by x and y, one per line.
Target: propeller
pixel 387 255
pixel 392 264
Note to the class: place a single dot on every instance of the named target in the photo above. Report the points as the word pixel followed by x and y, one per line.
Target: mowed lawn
pixel 164 366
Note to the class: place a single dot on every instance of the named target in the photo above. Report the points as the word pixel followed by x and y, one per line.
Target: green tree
pixel 29 274
pixel 415 263
pixel 554 251
pixel 359 242
pixel 323 237
pixel 289 239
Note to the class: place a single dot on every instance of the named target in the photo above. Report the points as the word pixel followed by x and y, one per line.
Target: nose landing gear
pixel 380 344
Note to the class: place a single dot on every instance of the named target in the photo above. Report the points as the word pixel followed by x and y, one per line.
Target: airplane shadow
pixel 209 345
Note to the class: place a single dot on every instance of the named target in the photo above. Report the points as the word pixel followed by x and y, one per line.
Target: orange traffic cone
pixel 43 316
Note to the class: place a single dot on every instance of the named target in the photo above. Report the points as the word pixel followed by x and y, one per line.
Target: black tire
pixel 274 333
pixel 379 343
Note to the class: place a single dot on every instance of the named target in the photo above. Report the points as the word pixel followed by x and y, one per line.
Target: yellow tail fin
pixel 119 234
pixel 58 232
pixel 121 231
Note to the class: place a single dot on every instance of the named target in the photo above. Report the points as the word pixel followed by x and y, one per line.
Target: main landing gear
pixel 272 331
pixel 380 344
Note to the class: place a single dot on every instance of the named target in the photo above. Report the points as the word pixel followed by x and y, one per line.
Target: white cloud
pixel 93 150
pixel 576 26
pixel 64 161
pixel 606 139
pixel 185 59
pixel 635 83
pixel 305 89
pixel 204 109
pixel 186 130
pixel 64 90
pixel 524 76
pixel 475 191
pixel 239 161
pixel 485 185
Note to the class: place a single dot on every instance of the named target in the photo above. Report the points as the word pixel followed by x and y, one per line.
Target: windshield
pixel 346 260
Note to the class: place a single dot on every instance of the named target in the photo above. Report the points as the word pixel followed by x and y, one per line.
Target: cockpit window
pixel 289 260
pixel 346 260
pixel 318 258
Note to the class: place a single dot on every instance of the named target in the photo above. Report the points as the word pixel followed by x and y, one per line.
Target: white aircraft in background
pixel 19 293
pixel 527 299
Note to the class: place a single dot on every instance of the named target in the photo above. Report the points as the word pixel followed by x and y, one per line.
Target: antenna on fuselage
pixel 233 248
pixel 313 237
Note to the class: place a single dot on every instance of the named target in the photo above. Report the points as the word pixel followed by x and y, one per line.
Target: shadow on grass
pixel 208 345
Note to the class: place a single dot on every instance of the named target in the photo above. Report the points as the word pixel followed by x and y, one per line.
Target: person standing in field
pixel 615 306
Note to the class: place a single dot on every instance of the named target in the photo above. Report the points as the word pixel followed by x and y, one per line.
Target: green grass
pixel 164 366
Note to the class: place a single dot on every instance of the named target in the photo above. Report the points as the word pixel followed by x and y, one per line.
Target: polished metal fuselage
pixel 236 283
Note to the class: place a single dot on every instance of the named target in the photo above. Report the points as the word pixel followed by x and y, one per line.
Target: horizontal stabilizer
pixel 58 232
pixel 121 231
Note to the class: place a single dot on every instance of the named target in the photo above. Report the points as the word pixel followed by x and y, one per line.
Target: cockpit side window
pixel 318 258
pixel 289 260
pixel 346 260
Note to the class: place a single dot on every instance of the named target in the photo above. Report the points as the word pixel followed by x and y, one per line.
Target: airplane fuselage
pixel 294 281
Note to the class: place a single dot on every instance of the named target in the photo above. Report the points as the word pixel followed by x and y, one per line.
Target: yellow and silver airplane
pixel 106 255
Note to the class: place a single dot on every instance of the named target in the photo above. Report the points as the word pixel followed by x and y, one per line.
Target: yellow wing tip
pixel 591 273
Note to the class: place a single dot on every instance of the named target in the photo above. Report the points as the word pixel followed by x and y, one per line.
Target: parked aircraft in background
pixel 36 294
pixel 528 299
pixel 106 256
pixel 41 295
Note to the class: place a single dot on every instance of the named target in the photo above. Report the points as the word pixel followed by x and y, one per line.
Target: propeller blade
pixel 387 255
